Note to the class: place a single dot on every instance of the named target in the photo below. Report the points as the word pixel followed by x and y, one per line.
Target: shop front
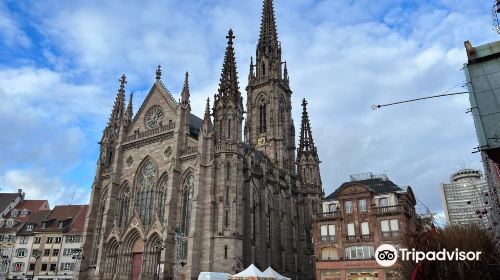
pixel 354 270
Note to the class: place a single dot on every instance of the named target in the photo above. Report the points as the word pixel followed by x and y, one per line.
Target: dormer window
pixel 2 222
pixel 24 212
pixel 44 225
pixel 29 227
pixel 14 213
pixel 61 224
pixel 10 223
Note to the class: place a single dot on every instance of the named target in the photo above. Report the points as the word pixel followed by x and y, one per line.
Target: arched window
pixel 145 192
pixel 263 68
pixel 187 202
pixel 229 129
pixel 162 194
pixel 123 206
pixel 262 116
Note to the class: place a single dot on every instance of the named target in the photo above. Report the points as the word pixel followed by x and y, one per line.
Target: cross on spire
pixel 228 85
pixel 230 36
pixel 158 73
pixel 123 81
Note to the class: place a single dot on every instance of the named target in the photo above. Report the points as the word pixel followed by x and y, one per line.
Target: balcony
pixel 351 238
pixel 326 239
pixel 389 210
pixel 327 216
pixel 390 235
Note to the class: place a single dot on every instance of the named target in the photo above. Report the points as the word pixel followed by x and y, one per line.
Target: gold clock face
pixel 261 141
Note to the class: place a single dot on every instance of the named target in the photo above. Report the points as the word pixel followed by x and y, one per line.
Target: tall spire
pixel 228 85
pixel 119 105
pixel 185 90
pixel 306 140
pixel 268 34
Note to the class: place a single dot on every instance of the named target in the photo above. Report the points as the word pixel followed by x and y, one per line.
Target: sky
pixel 60 62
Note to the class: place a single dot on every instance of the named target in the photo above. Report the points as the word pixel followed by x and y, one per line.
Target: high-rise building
pixel 465 195
pixel 175 194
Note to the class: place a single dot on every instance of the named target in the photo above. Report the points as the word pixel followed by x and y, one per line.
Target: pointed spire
pixel 130 110
pixel 185 90
pixel 228 85
pixel 207 122
pixel 268 34
pixel 306 140
pixel 158 73
pixel 207 110
pixel 119 105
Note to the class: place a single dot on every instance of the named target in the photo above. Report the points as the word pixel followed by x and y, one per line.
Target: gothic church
pixel 175 195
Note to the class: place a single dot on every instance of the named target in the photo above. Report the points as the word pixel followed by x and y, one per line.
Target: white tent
pixel 251 272
pixel 213 276
pixel 270 272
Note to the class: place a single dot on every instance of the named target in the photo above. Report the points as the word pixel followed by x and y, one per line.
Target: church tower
pixel 228 161
pixel 310 190
pixel 269 124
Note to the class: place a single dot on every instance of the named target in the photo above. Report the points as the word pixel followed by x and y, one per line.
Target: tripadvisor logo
pixel 387 255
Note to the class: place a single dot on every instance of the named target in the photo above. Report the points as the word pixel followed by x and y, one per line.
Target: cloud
pixel 38 185
pixel 12 35
pixel 343 56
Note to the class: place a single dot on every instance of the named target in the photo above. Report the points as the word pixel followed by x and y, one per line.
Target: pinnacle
pixel 228 86
pixel 185 90
pixel 306 140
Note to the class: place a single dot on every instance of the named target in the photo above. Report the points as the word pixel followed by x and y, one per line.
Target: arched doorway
pixel 137 255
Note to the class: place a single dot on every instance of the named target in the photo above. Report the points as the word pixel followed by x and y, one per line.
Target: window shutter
pixel 350 229
pixel 364 228
pixel 384 225
pixel 324 230
pixel 331 230
pixel 394 225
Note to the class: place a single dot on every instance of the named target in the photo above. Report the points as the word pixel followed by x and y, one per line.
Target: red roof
pixel 72 216
pixel 31 205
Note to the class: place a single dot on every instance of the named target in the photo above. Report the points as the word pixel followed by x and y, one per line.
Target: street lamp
pixel 5 266
pixel 161 246
pixel 77 256
pixel 36 255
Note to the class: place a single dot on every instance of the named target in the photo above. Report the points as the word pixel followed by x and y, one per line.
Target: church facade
pixel 175 195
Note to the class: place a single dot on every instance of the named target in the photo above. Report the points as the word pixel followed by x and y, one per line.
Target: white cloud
pixel 38 185
pixel 343 56
pixel 11 35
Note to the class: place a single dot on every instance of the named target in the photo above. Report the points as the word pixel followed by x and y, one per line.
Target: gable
pixel 158 97
pixel 353 188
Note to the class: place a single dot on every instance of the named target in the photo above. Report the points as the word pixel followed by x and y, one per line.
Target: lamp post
pixel 36 255
pixel 77 256
pixel 161 246
pixel 5 267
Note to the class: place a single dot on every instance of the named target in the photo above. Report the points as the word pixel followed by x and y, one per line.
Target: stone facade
pixel 359 216
pixel 164 172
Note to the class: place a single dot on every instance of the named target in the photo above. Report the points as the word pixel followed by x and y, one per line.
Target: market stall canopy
pixel 252 272
pixel 270 272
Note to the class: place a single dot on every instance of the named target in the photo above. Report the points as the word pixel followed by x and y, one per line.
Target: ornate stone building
pixel 164 172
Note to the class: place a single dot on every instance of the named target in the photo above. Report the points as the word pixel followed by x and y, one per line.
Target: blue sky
pixel 60 62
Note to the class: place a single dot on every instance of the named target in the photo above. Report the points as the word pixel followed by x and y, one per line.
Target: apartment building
pixel 10 224
pixel 53 237
pixel 361 214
